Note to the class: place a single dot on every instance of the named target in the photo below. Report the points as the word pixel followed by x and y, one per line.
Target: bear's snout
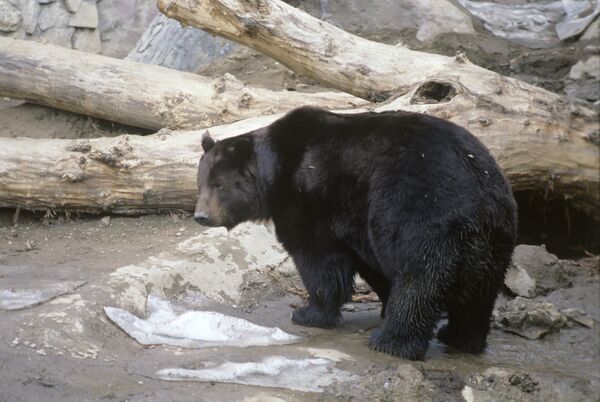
pixel 201 218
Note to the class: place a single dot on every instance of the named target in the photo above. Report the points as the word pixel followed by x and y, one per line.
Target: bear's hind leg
pixel 470 311
pixel 411 313
pixel 329 280
pixel 468 325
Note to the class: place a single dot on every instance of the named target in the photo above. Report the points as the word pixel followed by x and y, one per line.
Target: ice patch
pixel 194 329
pixel 16 299
pixel 309 375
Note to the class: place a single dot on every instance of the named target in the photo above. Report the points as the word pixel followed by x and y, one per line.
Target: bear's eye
pixel 218 186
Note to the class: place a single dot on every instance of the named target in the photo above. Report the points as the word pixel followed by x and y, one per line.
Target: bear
pixel 414 204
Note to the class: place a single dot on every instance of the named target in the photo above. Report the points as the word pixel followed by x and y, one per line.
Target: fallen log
pixel 138 94
pixel 127 174
pixel 488 104
pixel 133 174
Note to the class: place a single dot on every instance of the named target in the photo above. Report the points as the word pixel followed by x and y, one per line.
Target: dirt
pixel 18 119
pixel 67 349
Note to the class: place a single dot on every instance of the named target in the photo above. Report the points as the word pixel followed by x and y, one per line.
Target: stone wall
pixel 110 27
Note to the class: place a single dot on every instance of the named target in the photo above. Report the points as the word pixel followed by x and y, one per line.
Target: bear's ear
pixel 207 142
pixel 240 149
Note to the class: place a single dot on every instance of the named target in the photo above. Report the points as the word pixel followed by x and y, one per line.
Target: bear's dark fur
pixel 414 204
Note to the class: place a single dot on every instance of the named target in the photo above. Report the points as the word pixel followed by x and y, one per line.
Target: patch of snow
pixel 194 329
pixel 330 354
pixel 308 375
pixel 16 299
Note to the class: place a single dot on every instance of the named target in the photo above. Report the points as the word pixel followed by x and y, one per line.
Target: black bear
pixel 414 204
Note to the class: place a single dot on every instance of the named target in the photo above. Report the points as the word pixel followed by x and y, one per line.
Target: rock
pixel 592 32
pixel 73 5
pixel 10 17
pixel 589 68
pixel 87 40
pixel 167 43
pixel 429 18
pixel 440 17
pixel 530 25
pixel 105 221
pixel 57 36
pixel 45 1
pixel 30 12
pixel 500 384
pixel 579 15
pixel 86 16
pixel 53 15
pixel 583 79
pixel 519 282
pixel 531 319
pixel 544 268
pixel 579 316
pixel 524 382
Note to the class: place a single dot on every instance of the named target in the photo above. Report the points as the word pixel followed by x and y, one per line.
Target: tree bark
pixel 127 174
pixel 138 94
pixel 132 174
pixel 564 136
pixel 169 44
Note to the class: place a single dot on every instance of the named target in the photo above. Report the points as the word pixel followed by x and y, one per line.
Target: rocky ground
pixel 59 343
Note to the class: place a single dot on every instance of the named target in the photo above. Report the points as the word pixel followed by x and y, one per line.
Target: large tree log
pixel 131 174
pixel 169 44
pixel 488 104
pixel 138 94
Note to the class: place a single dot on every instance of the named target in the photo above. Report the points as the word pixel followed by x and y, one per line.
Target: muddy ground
pixel 67 349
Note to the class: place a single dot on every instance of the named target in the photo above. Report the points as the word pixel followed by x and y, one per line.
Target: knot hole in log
pixel 433 92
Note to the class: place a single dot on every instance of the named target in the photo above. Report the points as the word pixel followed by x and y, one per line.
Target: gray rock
pixel 57 36
pixel 53 16
pixel 167 43
pixel 579 316
pixel 30 11
pixel 519 282
pixel 73 5
pixel 589 68
pixel 87 40
pixel 540 265
pixel 45 1
pixel 10 17
pixel 530 25
pixel 531 319
pixel 429 18
pixel 86 16
pixel 593 31
pixel 579 15
pixel 583 79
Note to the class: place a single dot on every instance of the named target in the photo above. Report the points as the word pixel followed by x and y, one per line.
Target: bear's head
pixel 227 182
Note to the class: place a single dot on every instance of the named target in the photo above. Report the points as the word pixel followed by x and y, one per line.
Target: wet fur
pixel 414 204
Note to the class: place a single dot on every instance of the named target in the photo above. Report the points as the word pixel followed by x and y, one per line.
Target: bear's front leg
pixel 329 280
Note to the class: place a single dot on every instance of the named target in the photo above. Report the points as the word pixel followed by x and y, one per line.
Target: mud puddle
pixel 66 348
